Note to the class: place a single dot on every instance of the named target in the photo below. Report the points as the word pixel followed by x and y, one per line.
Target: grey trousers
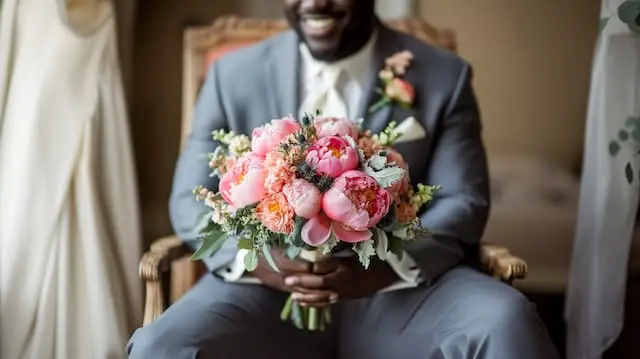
pixel 465 314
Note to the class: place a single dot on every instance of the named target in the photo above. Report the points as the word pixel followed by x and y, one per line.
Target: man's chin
pixel 323 50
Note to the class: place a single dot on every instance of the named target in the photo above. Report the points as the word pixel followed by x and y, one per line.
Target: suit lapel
pixel 283 85
pixel 388 44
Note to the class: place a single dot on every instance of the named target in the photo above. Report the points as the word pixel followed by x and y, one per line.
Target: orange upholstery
pixel 217 52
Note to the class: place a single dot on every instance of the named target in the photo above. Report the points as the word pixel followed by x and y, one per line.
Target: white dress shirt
pixel 351 84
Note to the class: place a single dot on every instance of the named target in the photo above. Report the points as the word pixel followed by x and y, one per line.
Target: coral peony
pixel 276 214
pixel 332 156
pixel 279 172
pixel 268 137
pixel 334 126
pixel 355 203
pixel 304 197
pixel 243 184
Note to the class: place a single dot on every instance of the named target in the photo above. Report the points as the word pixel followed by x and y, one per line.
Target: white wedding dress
pixel 69 221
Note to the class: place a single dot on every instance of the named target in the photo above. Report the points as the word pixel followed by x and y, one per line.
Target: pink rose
pixel 268 137
pixel 401 186
pixel 354 204
pixel 333 126
pixel 304 197
pixel 243 184
pixel 332 156
pixel 401 91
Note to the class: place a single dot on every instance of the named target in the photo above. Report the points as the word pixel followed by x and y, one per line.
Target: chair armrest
pixel 499 263
pixel 153 264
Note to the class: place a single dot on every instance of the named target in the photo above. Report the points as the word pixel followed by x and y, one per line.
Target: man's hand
pixel 343 276
pixel 291 267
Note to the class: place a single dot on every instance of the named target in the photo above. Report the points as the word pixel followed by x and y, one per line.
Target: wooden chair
pixel 167 262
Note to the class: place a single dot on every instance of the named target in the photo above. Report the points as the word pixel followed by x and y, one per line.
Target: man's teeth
pixel 320 23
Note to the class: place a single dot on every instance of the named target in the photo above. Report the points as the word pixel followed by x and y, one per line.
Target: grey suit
pixel 457 313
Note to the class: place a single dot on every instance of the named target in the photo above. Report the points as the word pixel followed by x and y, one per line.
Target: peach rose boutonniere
pixel 395 89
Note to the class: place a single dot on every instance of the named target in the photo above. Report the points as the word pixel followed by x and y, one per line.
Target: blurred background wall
pixel 532 62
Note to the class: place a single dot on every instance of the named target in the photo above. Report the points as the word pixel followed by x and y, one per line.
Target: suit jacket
pixel 249 87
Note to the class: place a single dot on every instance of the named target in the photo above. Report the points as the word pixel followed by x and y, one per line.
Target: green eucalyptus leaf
pixel 211 243
pixel 251 260
pixel 295 237
pixel 396 246
pixel 203 220
pixel 386 177
pixel 623 135
pixel 245 243
pixel 629 13
pixel 603 23
pixel 365 251
pixel 292 252
pixel 632 122
pixel 628 172
pixel 266 250
pixel 377 162
pixel 635 134
pixel 382 243
pixel 614 148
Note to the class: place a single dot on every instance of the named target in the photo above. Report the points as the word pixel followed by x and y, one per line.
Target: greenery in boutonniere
pixel 629 135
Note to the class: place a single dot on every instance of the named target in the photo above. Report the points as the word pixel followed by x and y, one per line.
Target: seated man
pixel 427 305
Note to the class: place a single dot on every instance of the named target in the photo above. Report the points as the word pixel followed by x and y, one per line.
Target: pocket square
pixel 410 130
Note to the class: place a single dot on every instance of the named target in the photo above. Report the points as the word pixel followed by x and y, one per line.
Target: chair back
pixel 205 44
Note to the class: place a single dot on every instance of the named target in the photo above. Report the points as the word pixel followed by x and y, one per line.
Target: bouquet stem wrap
pixel 307 318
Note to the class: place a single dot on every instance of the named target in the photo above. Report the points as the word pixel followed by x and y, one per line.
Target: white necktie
pixel 324 95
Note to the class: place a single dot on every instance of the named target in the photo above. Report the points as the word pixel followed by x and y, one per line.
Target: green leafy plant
pixel 628 13
pixel 629 135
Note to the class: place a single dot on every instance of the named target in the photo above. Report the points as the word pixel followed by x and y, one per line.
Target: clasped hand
pixel 325 282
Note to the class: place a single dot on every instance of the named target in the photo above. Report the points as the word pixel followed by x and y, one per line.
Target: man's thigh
pixel 464 314
pixel 222 320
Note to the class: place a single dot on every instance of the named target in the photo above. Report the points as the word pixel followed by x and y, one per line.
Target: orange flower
pixel 276 214
pixel 406 212
pixel 368 146
pixel 401 91
pixel 279 172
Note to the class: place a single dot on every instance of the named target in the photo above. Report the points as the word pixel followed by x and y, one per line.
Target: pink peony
pixel 276 214
pixel 317 230
pixel 332 156
pixel 401 91
pixel 354 204
pixel 401 186
pixel 333 126
pixel 304 197
pixel 268 137
pixel 243 184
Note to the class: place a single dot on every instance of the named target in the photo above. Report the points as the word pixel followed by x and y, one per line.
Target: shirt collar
pixel 355 66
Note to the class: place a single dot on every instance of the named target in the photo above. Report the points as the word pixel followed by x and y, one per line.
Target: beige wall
pixel 157 88
pixel 532 61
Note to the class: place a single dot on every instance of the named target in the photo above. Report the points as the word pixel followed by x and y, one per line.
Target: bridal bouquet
pixel 310 188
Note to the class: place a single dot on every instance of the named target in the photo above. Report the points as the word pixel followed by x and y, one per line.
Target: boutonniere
pixel 394 88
